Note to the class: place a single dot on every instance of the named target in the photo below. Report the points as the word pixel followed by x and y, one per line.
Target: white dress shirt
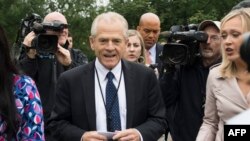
pixel 152 51
pixel 100 100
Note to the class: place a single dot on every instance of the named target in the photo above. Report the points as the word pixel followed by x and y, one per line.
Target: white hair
pixel 109 17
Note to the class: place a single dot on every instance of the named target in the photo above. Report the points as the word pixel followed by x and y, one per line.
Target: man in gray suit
pixel 81 111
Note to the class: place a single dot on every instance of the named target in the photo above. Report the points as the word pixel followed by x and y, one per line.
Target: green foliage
pixel 200 15
pixel 132 10
pixel 13 11
pixel 80 13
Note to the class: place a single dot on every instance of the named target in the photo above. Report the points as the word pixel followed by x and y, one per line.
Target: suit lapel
pixel 230 90
pixel 89 95
pixel 129 76
pixel 158 51
pixel 238 97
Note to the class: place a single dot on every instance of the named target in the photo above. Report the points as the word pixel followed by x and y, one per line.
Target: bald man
pixel 45 68
pixel 150 27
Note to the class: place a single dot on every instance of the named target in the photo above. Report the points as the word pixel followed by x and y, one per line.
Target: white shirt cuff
pixel 139 134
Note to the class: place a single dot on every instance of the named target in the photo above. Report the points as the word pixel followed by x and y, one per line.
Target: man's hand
pixel 63 56
pixel 27 42
pixel 127 135
pixel 93 136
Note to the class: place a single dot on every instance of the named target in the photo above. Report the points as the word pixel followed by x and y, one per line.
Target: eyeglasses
pixel 214 38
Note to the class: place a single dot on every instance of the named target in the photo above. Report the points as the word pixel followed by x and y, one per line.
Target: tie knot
pixel 110 75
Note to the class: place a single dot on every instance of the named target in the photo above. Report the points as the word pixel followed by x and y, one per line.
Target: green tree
pixel 131 9
pixel 12 11
pixel 80 13
pixel 175 12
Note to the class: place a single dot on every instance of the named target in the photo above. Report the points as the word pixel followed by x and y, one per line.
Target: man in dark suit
pixel 81 111
pixel 150 28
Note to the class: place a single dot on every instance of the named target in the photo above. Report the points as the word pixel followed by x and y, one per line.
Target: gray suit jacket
pixel 74 112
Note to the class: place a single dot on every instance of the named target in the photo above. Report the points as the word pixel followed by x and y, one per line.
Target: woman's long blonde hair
pixel 228 68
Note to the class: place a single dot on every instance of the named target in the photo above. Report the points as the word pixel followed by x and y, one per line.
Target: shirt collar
pixel 104 71
pixel 152 50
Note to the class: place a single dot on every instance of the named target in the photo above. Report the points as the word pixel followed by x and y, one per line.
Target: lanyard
pixel 104 103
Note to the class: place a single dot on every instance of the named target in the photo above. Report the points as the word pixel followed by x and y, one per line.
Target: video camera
pixel 182 47
pixel 44 44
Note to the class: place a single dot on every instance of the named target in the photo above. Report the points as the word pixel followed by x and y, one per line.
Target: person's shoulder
pixel 215 66
pixel 75 50
pixel 23 79
pixel 135 65
pixel 138 68
pixel 25 86
pixel 159 46
pixel 81 69
pixel 215 71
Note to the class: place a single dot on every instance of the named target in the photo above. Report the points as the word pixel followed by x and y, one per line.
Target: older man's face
pixel 212 48
pixel 150 31
pixel 109 43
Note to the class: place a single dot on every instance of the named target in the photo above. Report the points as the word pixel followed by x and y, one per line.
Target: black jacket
pixel 184 95
pixel 75 113
pixel 45 72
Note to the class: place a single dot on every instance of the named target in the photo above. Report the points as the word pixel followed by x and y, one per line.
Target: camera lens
pixel 175 53
pixel 47 44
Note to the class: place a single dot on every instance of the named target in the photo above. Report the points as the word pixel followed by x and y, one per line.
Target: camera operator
pixel 184 93
pixel 45 69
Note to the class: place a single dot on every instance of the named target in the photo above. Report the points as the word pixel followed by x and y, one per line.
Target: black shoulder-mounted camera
pixel 43 43
pixel 43 27
pixel 182 47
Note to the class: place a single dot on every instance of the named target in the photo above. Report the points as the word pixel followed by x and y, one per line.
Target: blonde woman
pixel 135 51
pixel 228 87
